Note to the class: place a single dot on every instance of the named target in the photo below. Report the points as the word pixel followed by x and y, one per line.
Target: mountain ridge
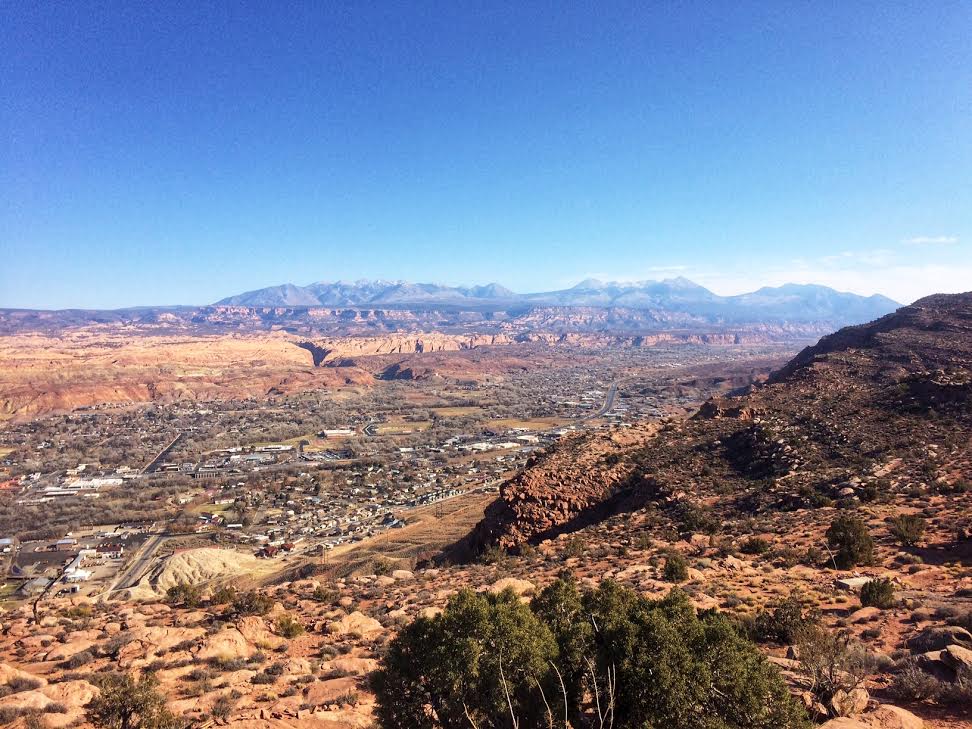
pixel 794 302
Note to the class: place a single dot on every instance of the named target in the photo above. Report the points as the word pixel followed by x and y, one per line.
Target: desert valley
pixel 245 505
pixel 485 365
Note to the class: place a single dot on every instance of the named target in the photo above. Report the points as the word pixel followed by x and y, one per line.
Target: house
pixel 78 575
pixel 268 552
pixel 336 433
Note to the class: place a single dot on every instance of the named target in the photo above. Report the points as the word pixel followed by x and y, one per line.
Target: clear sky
pixel 165 153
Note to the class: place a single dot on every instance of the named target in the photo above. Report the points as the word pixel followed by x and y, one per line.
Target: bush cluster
pixel 850 537
pixel 878 593
pixel 787 623
pixel 908 529
pixel 676 568
pixel 490 661
pixel 252 603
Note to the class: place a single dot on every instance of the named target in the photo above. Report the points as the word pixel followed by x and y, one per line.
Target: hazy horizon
pixel 182 153
pixel 461 284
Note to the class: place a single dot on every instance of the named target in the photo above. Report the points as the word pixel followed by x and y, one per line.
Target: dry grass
pixel 457 412
pixel 529 424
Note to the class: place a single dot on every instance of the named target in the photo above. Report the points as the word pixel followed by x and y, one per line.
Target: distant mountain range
pixel 790 302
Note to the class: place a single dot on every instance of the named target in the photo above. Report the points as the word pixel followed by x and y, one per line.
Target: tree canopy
pixel 579 657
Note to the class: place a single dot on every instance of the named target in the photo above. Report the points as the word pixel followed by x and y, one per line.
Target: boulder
pixel 402 575
pixel 852 584
pixel 864 614
pixel 939 637
pixel 355 623
pixel 843 722
pixel 957 658
pixel 700 541
pixel 227 644
pixel 162 638
pixel 520 587
pixel 63 651
pixel 695 575
pixel 931 662
pixel 846 703
pixel 72 694
pixel 884 716
pixel 8 673
pixel 887 716
pixel 350 666
pixel 254 629
pixel 327 691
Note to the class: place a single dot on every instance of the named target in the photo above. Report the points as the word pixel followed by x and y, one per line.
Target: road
pixel 155 461
pixel 608 403
pixel 130 576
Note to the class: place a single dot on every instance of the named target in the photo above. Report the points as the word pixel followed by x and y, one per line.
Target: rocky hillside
pixel 880 408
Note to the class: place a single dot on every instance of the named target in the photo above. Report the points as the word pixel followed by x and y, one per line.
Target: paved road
pixel 608 403
pixel 130 576
pixel 155 461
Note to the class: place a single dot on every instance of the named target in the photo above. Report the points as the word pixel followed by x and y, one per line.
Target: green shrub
pixel 787 623
pixel 908 529
pixel 188 595
pixel 325 595
pixel 878 593
pixel 693 518
pixel 850 537
pixel 126 702
pixel 754 545
pixel 668 666
pixel 224 594
pixel 676 568
pixel 462 662
pixel 493 554
pixel 288 626
pixel 560 606
pixel 252 603
pixel 574 547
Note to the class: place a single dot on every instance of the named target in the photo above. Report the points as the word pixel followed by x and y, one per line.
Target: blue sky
pixel 163 153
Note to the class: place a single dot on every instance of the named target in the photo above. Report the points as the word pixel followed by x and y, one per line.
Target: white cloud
pixel 932 240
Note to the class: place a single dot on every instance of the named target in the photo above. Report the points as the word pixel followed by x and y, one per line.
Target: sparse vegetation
pixel 908 529
pixel 288 626
pixel 832 662
pixel 787 623
pixel 754 545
